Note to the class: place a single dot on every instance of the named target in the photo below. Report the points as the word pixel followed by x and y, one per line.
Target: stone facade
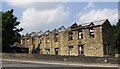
pixel 88 39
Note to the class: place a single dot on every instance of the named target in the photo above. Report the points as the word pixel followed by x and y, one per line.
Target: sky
pixel 36 16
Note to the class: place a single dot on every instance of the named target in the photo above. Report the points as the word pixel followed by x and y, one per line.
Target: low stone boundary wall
pixel 78 59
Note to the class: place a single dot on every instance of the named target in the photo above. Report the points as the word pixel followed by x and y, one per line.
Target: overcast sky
pixel 36 16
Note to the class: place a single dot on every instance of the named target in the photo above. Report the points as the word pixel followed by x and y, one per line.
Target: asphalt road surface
pixel 27 65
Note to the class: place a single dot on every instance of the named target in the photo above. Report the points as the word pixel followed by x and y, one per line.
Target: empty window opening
pixel 56 51
pixel 80 35
pixel 40 51
pixel 70 35
pixel 47 51
pixel 28 41
pixel 70 50
pixel 81 50
pixel 33 40
pixel 91 31
pixel 47 38
pixel 40 39
pixel 56 37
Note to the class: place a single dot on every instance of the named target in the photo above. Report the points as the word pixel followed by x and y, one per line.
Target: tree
pixel 116 32
pixel 0 31
pixel 10 32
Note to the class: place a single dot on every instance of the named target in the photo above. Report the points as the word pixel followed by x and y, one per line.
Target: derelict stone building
pixel 88 39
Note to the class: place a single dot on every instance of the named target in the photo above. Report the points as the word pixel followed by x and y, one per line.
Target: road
pixel 10 64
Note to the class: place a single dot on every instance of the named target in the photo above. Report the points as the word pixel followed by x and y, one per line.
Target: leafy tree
pixel 116 31
pixel 0 31
pixel 10 32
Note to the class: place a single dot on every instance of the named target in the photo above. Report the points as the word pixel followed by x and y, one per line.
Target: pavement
pixel 23 63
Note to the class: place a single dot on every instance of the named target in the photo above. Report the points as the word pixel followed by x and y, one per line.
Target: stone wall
pixel 92 46
pixel 77 59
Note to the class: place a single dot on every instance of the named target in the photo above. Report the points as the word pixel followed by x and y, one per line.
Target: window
pixel 80 35
pixel 56 37
pixel 70 35
pixel 47 38
pixel 41 52
pixel 40 39
pixel 91 30
pixel 70 50
pixel 28 41
pixel 80 50
pixel 56 51
pixel 33 40
pixel 47 51
pixel 23 41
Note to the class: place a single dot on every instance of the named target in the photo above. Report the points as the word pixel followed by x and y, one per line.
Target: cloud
pixel 62 0
pixel 36 20
pixel 36 5
pixel 36 1
pixel 90 5
pixel 44 15
pixel 93 15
